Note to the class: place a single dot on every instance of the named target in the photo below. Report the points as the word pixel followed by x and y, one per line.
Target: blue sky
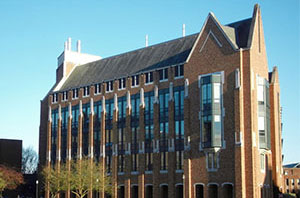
pixel 32 35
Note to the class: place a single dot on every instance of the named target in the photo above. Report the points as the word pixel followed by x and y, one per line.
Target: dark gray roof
pixel 165 54
pixel 241 32
pixel 293 165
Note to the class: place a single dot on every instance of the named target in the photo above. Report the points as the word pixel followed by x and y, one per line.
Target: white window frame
pixel 65 96
pixel 164 71
pixel 121 83
pixel 134 81
pixel 214 167
pixel 97 89
pixel 148 76
pixel 177 67
pixel 75 93
pixel 86 91
pixel 109 86
pixel 54 98
pixel 262 162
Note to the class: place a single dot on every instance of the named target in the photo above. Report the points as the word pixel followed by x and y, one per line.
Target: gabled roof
pixel 239 32
pixel 165 54
pixel 293 165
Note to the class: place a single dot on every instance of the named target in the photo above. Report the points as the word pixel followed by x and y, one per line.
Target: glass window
pixel 260 93
pixel 55 98
pixel 109 86
pixel 64 132
pixel 199 191
pixel 211 117
pixel 109 104
pixel 75 93
pixel 212 161
pixel 135 80
pixel 179 160
pixel 217 92
pixel 122 83
pixel 262 162
pixel 179 71
pixel 74 130
pixel 65 96
pixel 148 77
pixel 98 88
pixel 86 91
pixel 164 161
pixel 263 118
pixel 54 125
pixel 163 74
pixel 97 128
pixel 149 161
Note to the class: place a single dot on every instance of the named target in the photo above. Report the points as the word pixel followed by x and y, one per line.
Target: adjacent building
pixel 11 153
pixel 198 116
pixel 292 178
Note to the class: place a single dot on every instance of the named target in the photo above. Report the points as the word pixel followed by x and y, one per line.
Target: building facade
pixel 198 116
pixel 292 178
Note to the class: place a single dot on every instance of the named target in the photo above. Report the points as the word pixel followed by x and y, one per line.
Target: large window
pixel 54 125
pixel 97 128
pixel 135 116
pixel 121 131
pixel 109 104
pixel 64 132
pixel 263 113
pixel 149 99
pixel 211 110
pixel 179 125
pixel 74 131
pixel 164 127
pixel 179 112
pixel 85 128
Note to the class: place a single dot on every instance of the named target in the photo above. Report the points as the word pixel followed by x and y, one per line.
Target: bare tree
pixel 29 160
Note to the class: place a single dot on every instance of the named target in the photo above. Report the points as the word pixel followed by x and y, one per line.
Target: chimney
pixel 146 40
pixel 78 46
pixel 183 30
pixel 66 46
pixel 69 44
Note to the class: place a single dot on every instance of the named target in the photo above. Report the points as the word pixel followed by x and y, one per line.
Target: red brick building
pixel 198 116
pixel 291 178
